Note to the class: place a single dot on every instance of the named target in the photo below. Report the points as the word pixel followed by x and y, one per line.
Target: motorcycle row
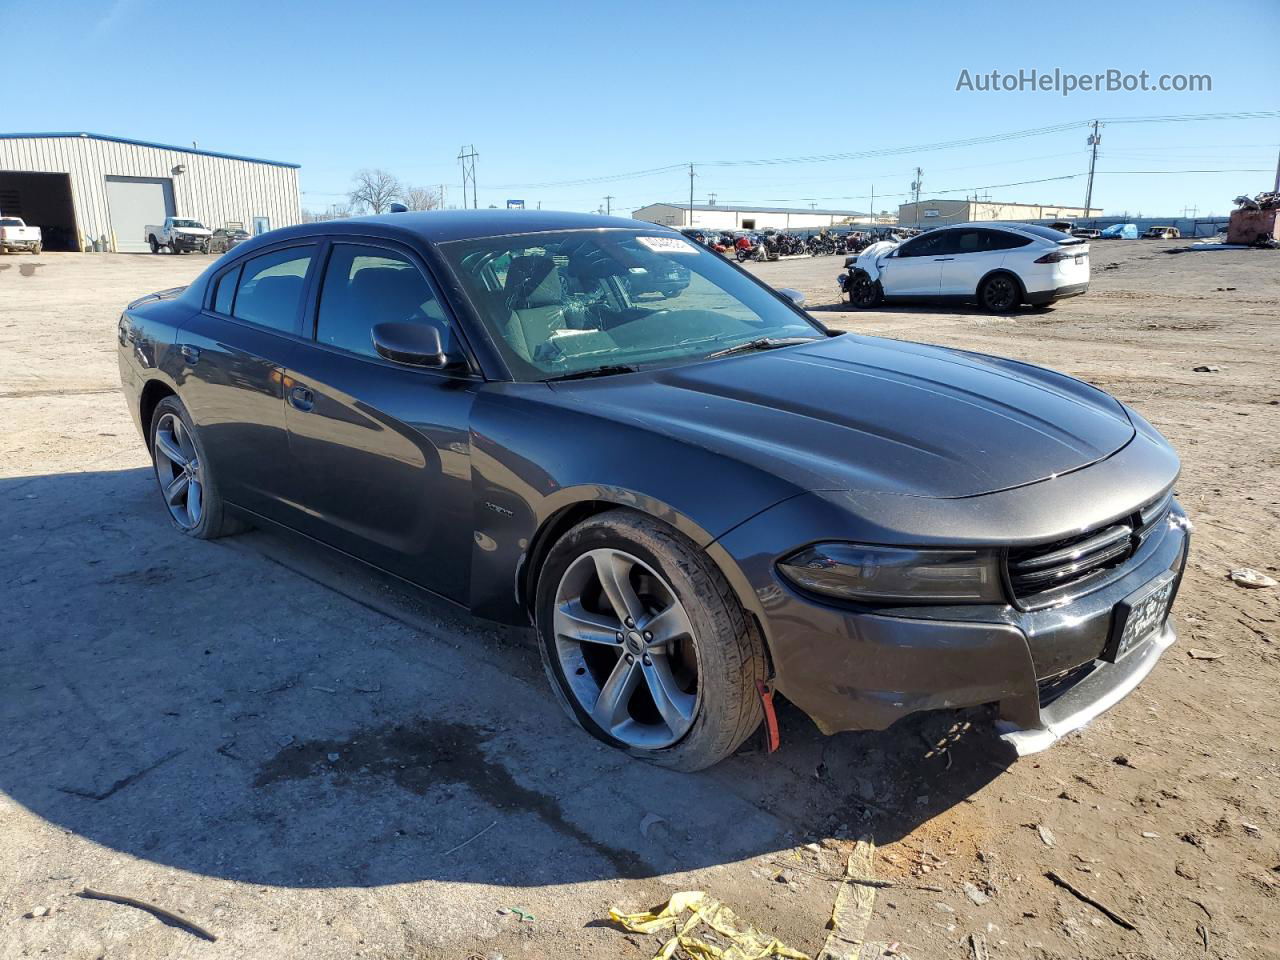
pixel 775 244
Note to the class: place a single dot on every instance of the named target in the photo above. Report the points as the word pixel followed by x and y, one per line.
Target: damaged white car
pixel 1000 266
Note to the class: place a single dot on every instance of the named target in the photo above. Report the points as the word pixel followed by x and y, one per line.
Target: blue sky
pixel 557 92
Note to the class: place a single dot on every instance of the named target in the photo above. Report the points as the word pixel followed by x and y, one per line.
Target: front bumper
pixel 864 668
pixel 184 242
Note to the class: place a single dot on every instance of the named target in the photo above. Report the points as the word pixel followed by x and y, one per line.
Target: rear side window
pixel 271 288
pixel 364 286
pixel 226 292
pixel 1003 240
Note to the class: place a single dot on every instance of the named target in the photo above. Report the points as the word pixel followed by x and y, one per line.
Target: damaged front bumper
pixel 1045 671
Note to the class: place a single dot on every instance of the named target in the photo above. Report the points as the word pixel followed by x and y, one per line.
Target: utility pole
pixel 608 206
pixel 1276 188
pixel 1094 139
pixel 467 157
pixel 873 204
pixel 915 189
pixel 691 175
pixel 442 196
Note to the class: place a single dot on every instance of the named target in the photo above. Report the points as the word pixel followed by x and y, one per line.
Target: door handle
pixel 300 398
pixel 941 259
pixel 190 354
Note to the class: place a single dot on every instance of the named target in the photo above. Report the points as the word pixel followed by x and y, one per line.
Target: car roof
pixel 443 226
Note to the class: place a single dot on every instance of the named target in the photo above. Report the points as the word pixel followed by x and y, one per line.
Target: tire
pixel 715 661
pixel 155 247
pixel 35 250
pixel 865 293
pixel 999 293
pixel 741 255
pixel 172 429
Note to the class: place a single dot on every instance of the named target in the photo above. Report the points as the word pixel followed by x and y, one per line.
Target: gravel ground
pixel 307 759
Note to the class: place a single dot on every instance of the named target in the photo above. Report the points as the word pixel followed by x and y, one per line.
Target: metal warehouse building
pixel 727 217
pixel 932 213
pixel 79 188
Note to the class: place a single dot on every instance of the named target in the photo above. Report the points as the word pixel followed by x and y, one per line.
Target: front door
pixel 234 354
pixel 914 269
pixel 382 450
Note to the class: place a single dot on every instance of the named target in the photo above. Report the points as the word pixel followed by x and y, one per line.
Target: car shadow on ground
pixel 260 710
pixel 926 307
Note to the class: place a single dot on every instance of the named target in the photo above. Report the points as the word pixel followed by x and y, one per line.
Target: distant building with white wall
pixel 726 217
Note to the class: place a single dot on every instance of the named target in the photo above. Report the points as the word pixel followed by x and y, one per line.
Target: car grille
pixel 1046 573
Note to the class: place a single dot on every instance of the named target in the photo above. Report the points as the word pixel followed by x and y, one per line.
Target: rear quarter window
pixel 225 292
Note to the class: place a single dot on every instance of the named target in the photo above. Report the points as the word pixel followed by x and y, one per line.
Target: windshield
pixel 562 303
pixel 189 223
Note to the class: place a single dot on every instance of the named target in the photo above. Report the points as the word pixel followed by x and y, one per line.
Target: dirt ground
pixel 308 760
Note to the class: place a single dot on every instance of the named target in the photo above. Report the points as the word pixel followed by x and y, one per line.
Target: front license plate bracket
pixel 1140 616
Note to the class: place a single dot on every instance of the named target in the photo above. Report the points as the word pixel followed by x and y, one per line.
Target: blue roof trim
pixel 147 143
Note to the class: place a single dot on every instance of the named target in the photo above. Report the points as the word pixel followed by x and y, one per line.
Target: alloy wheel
pixel 999 293
pixel 179 472
pixel 626 647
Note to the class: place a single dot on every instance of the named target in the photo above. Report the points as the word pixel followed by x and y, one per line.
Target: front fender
pixel 532 461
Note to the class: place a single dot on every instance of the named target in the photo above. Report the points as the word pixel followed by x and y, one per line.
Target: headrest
pixel 533 281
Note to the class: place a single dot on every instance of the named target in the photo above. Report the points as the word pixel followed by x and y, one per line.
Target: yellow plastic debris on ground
pixel 744 942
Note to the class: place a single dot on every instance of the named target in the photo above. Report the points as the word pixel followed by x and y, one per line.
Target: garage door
pixel 135 202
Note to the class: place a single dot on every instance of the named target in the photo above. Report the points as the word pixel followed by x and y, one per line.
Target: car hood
pixel 193 231
pixel 861 413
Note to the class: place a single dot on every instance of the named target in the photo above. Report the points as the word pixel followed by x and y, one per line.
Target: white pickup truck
pixel 16 235
pixel 179 234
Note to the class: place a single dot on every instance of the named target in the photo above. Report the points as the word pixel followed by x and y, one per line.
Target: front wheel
pixel 36 248
pixel 865 293
pixel 1000 293
pixel 646 645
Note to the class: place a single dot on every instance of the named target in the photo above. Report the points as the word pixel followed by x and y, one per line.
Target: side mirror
pixel 414 344
pixel 397 208
pixel 795 296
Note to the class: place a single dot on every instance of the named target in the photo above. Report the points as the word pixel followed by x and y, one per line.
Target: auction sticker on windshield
pixel 667 245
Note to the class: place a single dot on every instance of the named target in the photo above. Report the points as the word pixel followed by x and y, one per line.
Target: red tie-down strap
pixel 772 739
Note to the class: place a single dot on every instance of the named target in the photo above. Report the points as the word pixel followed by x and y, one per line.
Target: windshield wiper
pixel 605 371
pixel 760 343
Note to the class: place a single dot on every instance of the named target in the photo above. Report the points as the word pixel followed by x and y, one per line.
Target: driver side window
pixel 364 286
pixel 931 244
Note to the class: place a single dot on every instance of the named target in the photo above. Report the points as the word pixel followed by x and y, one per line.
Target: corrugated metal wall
pixel 213 190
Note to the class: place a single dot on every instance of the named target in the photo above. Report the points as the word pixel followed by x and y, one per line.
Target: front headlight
pixel 851 571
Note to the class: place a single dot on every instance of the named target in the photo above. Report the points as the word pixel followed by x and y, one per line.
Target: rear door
pixel 971 255
pixel 234 353
pixel 382 449
pixel 915 268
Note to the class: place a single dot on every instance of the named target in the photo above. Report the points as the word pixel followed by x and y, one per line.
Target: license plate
pixel 1141 616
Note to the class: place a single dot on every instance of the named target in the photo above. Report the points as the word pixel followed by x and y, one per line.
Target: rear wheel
pixel 999 293
pixel 646 645
pixel 155 247
pixel 186 477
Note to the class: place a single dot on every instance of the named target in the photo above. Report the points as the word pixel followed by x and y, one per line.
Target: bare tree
pixel 375 189
pixel 421 198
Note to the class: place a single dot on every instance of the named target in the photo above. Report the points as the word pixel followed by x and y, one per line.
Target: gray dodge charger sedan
pixel 696 493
